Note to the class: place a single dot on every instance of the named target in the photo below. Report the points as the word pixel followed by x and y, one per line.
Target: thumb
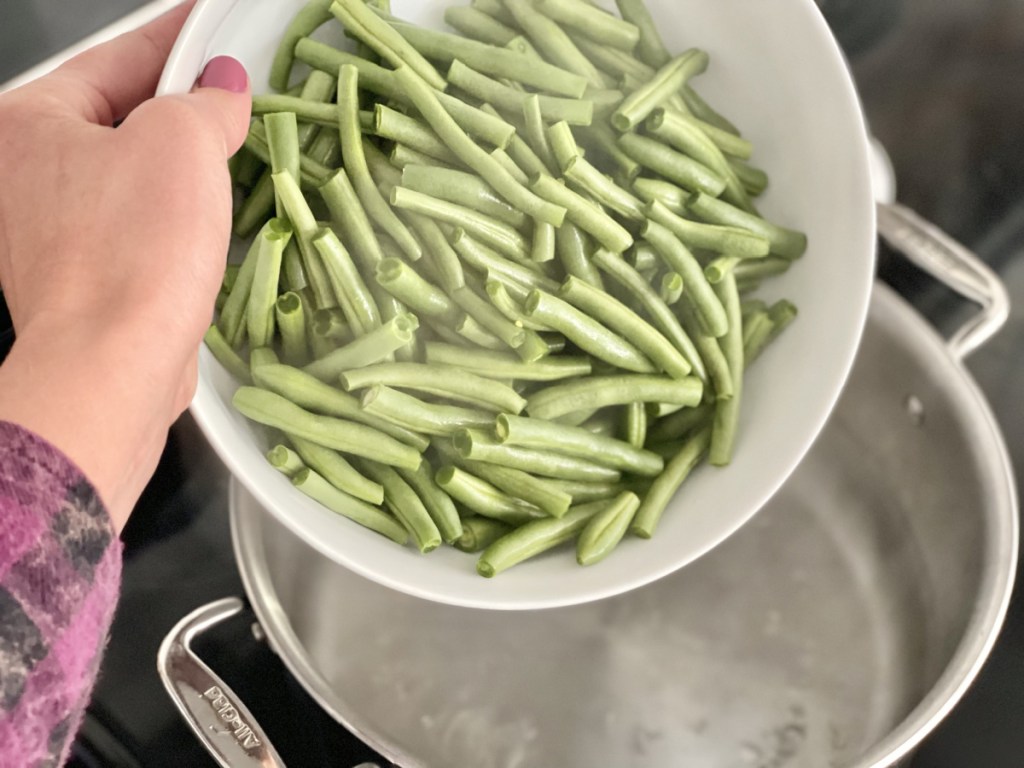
pixel 221 104
pixel 223 91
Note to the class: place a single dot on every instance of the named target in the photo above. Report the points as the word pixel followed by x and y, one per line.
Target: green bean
pixel 312 394
pixel 409 131
pixel 718 268
pixel 538 491
pixel 232 321
pixel 674 166
pixel 667 81
pixel 305 227
pixel 359 306
pixel 384 40
pixel 350 219
pixel 478 25
pixel 403 156
pixel 314 15
pixel 496 234
pixel 575 441
pixel 650 49
pixel 703 111
pixel 757 327
pixel 552 41
pixel 754 180
pixel 484 259
pixel 710 350
pixel 337 471
pixel 225 355
pixel 420 416
pixel 404 504
pixel 305 110
pixel 727 412
pixel 373 347
pixel 601 137
pixel 504 159
pixel 780 315
pixel 584 214
pixel 606 529
pixel 586 492
pixel 461 188
pixel 532 539
pixel 326 147
pixel 585 176
pixel 444 381
pixel 262 356
pixel 543 248
pixel 509 307
pixel 474 156
pixel 571 248
pixel 438 252
pixel 494 9
pixel 256 142
pixel 665 193
pixel 483 498
pixel 484 88
pixel 272 410
pixel 480 532
pixel 601 391
pixel 355 162
pixel 332 324
pixel 291 323
pixel 679 259
pixel 665 485
pixel 478 446
pixel 786 243
pixel 671 287
pixel 317 488
pixel 527 161
pixel 438 504
pixel 612 61
pixel 663 318
pixel 535 130
pixel 285 460
pixel 592 22
pixel 266 276
pixel 678 425
pixel 636 424
pixel 403 282
pixel 713 237
pixel 586 332
pixel 494 61
pixel 283 146
pixel 294 273
pixel 489 317
pixel 623 320
pixel 254 209
pixel 498 365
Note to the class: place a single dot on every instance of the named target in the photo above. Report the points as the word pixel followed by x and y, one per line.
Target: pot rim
pixel 983 627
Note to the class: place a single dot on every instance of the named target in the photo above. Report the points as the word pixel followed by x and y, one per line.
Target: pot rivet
pixel 257 632
pixel 915 410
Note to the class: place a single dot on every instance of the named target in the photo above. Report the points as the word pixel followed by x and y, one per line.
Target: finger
pixel 107 82
pixel 221 104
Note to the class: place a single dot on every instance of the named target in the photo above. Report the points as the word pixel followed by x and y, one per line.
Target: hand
pixel 112 248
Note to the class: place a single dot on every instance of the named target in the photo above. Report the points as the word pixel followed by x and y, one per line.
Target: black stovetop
pixel 943 87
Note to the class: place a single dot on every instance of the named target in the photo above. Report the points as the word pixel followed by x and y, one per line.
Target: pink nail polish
pixel 226 73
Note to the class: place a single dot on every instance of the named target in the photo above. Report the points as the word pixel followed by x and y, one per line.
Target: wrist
pixel 105 406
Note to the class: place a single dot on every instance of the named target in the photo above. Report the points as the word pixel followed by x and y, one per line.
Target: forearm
pixel 100 400
pixel 60 564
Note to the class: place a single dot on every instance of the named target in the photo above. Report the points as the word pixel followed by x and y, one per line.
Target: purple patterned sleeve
pixel 60 570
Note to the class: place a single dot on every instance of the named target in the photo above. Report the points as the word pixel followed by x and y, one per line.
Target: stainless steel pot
pixel 836 629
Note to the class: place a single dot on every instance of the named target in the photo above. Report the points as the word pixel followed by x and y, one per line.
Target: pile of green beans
pixel 497 287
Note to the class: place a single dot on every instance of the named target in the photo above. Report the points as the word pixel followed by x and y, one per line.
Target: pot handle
pixel 221 721
pixel 949 262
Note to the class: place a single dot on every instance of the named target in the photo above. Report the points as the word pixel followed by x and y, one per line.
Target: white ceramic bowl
pixel 776 72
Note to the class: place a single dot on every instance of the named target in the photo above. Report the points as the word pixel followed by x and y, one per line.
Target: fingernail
pixel 226 73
